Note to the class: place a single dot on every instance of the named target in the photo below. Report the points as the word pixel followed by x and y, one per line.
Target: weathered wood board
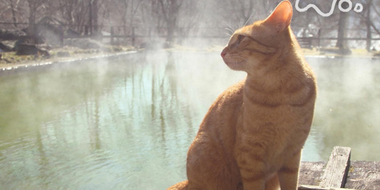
pixel 337 167
pixel 362 175
pixel 311 173
pixel 306 187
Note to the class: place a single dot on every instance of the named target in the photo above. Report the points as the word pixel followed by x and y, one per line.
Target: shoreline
pixel 56 60
pixel 84 56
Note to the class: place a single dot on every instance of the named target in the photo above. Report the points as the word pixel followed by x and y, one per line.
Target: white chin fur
pixel 234 64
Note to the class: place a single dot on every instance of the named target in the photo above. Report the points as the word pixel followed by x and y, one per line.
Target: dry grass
pixel 11 60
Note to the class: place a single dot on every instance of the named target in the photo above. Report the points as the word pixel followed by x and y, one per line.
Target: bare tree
pixel 342 30
pixel 368 25
pixel 189 18
pixel 371 10
pixel 94 16
pixel 170 11
pixel 35 7
pixel 181 18
pixel 375 6
pixel 74 12
pixel 13 6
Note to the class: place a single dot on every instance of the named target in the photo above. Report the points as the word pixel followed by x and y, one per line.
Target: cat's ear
pixel 280 17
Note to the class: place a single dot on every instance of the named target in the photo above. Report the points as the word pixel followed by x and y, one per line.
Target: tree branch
pixel 370 22
pixel 164 10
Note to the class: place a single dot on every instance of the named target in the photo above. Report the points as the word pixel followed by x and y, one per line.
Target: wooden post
pixel 337 168
pixel 61 37
pixel 112 35
pixel 86 30
pixel 133 36
pixel 319 37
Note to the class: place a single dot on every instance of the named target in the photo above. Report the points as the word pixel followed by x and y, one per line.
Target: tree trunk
pixel 90 17
pixel 13 13
pixel 368 24
pixel 124 20
pixel 341 44
pixel 171 27
pixel 32 21
pixel 170 10
pixel 95 15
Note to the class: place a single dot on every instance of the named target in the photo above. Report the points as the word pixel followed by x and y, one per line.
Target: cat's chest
pixel 282 128
pixel 282 115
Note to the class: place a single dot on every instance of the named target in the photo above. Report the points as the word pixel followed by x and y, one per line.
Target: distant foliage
pixel 182 18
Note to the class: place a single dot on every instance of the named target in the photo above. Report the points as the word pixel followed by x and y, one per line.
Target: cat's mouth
pixel 234 62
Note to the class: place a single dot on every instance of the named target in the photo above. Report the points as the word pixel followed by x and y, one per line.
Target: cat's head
pixel 255 46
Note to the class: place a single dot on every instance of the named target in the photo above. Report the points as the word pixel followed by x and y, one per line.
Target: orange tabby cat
pixel 252 136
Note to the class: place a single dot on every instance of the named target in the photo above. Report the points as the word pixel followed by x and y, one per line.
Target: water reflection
pixel 126 122
pixel 347 111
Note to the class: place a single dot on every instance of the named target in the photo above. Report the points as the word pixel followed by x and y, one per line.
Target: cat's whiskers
pixel 244 59
pixel 230 30
pixel 246 22
pixel 249 18
pixel 237 56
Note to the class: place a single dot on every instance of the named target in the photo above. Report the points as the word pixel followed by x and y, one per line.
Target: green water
pixel 126 122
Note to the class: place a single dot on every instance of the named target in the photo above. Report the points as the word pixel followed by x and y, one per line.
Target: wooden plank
pixel 364 175
pixel 337 168
pixel 311 173
pixel 309 187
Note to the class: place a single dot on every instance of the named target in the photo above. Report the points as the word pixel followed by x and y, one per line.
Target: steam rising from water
pixel 347 112
pixel 120 122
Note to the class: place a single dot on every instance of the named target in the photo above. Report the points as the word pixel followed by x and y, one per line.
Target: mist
pixel 126 121
pixel 346 111
pixel 134 116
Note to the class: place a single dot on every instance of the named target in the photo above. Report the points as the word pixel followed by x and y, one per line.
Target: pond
pixel 126 122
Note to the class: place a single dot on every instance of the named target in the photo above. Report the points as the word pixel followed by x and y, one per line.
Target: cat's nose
pixel 223 53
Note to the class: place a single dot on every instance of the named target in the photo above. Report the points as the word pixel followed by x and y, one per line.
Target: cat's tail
pixel 179 186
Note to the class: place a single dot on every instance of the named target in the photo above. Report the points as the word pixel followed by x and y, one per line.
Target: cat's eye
pixel 240 38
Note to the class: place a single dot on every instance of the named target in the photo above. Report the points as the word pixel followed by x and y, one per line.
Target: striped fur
pixel 252 136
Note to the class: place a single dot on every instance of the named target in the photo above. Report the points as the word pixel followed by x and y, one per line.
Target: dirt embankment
pixel 10 60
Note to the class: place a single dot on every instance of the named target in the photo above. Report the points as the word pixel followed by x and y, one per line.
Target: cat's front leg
pixel 252 170
pixel 288 174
